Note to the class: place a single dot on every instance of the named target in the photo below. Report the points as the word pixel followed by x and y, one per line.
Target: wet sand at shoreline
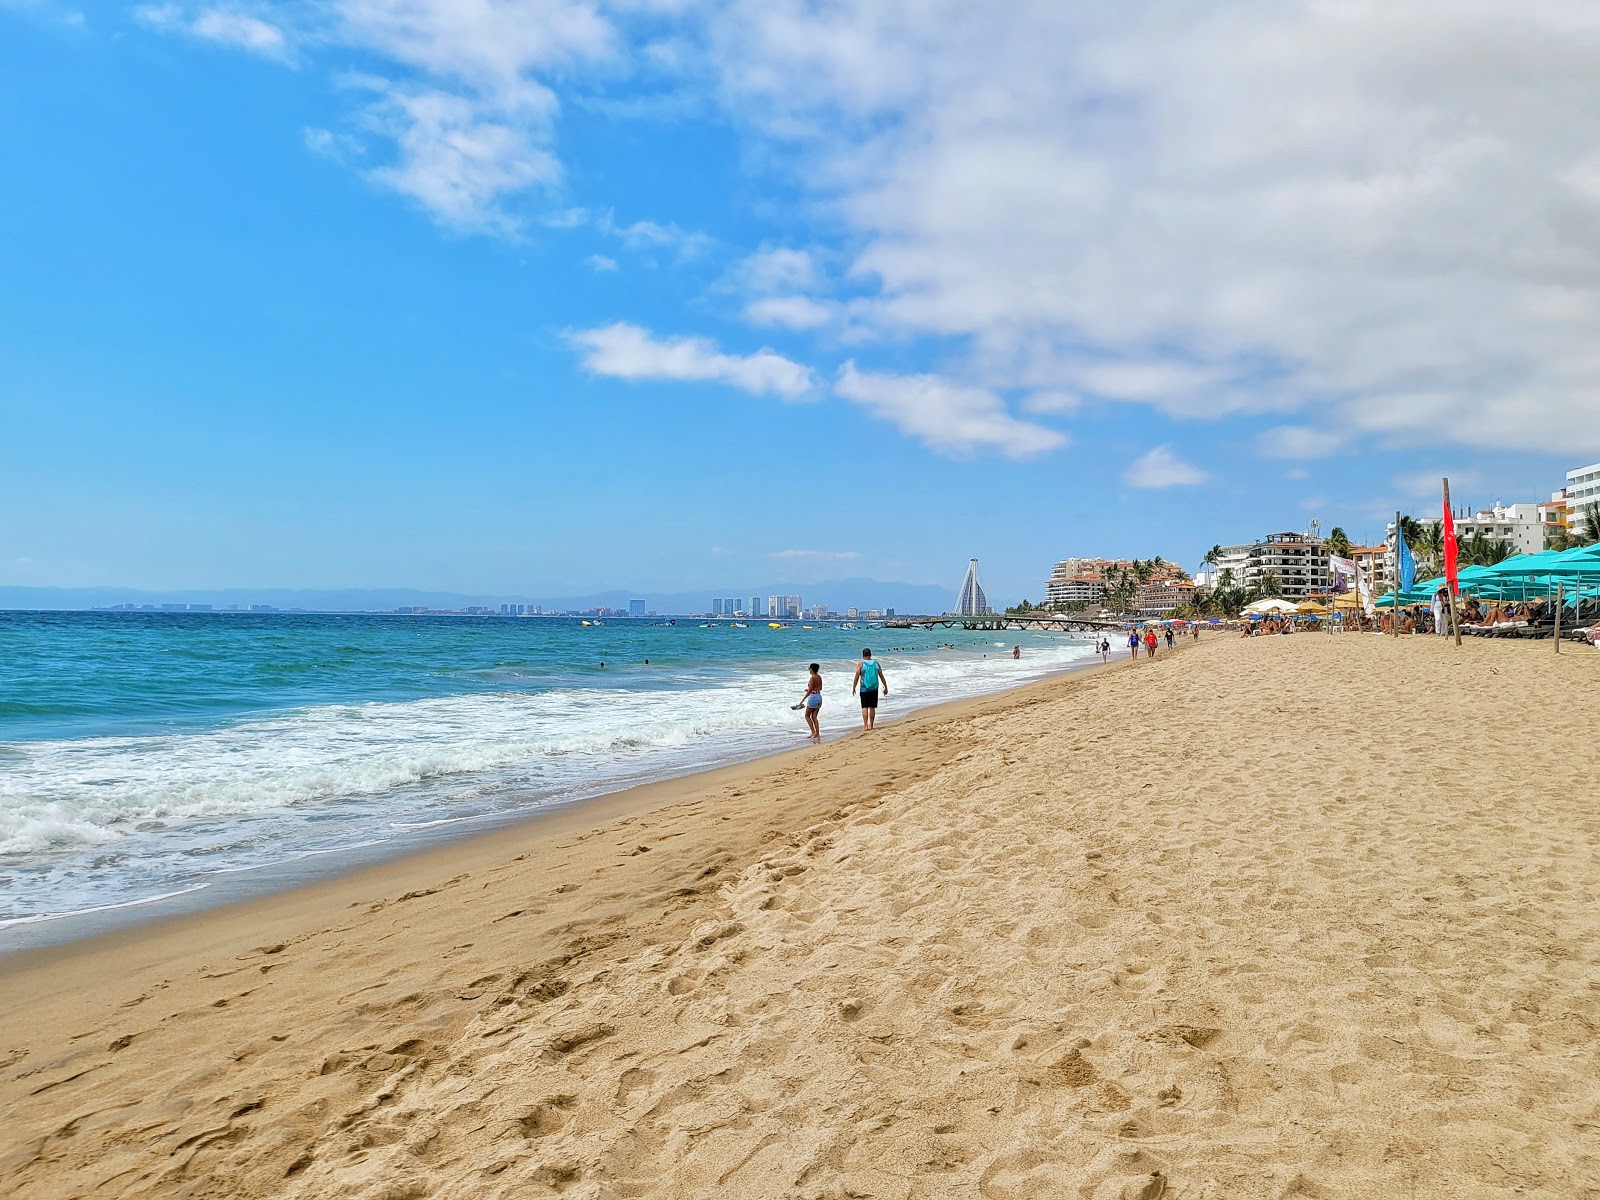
pixel 1308 916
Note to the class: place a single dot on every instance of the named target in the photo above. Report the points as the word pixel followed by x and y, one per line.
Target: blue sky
pixel 556 296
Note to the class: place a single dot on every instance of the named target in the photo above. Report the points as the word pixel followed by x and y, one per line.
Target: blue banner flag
pixel 1408 565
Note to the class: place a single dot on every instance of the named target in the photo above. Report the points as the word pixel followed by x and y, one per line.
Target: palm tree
pixel 1480 550
pixel 1267 586
pixel 1588 527
pixel 1213 556
pixel 1339 542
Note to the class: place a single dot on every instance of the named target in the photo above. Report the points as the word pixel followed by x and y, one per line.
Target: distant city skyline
pixel 665 299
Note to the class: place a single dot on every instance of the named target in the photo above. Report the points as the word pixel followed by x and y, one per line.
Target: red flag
pixel 1450 551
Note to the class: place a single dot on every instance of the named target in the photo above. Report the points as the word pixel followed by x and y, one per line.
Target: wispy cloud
pixel 1298 441
pixel 1161 468
pixel 600 262
pixel 944 415
pixel 790 312
pixel 455 156
pixel 816 555
pixel 624 351
pixel 225 26
pixel 651 235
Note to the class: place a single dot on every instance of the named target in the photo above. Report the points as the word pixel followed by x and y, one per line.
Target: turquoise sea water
pixel 143 755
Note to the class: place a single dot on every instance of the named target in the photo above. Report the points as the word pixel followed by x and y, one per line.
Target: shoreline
pixel 226 890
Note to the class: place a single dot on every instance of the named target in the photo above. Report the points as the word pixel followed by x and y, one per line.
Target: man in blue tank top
pixel 869 680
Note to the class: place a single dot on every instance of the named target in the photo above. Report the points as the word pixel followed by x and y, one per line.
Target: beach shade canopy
pixel 1347 602
pixel 1262 607
pixel 1310 608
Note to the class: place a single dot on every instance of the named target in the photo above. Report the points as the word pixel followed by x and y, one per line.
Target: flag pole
pixel 1394 613
pixel 1560 587
pixel 1449 586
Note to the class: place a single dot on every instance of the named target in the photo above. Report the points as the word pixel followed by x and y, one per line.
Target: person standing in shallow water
pixel 869 680
pixel 813 702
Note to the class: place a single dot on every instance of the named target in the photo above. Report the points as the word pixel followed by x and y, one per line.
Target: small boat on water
pixel 586 624
pixel 707 625
pixel 738 625
pixel 774 625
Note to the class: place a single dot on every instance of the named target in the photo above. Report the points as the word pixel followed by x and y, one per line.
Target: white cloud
pixel 1403 239
pixel 490 48
pixel 777 269
pixel 816 555
pixel 1051 402
pixel 226 26
pixel 624 351
pixel 1429 485
pixel 456 157
pixel 947 416
pixel 1297 473
pixel 460 84
pixel 1161 468
pixel 600 262
pixel 1298 441
pixel 651 235
pixel 789 312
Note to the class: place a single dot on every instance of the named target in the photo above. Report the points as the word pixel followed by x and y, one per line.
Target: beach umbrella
pixel 1261 607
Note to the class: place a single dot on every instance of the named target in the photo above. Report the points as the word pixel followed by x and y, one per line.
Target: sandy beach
pixel 1308 916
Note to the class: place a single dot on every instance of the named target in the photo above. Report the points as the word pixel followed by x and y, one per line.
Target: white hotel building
pixel 1298 561
pixel 1583 488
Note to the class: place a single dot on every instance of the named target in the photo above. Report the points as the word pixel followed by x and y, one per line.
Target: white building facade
pixel 1519 524
pixel 1583 489
pixel 1297 562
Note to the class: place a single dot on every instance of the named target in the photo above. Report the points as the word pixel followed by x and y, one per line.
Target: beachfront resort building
pixel 1074 591
pixel 1163 597
pixel 1583 488
pixel 1296 564
pixel 1078 581
pixel 1520 524
pixel 970 601
pixel 1555 518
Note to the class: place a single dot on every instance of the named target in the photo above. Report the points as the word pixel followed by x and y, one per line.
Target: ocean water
pixel 148 755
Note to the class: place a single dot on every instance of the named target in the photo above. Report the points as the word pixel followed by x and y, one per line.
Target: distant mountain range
pixel 838 594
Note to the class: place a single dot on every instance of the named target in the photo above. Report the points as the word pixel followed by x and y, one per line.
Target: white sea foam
pixel 92 821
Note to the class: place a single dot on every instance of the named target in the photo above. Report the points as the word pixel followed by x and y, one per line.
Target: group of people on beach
pixel 1146 639
pixel 868 683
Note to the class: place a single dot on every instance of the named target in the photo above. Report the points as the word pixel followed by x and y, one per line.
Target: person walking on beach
pixel 1133 645
pixel 869 680
pixel 1105 650
pixel 1150 643
pixel 1169 637
pixel 813 701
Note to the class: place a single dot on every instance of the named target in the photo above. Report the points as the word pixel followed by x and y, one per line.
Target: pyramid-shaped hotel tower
pixel 972 602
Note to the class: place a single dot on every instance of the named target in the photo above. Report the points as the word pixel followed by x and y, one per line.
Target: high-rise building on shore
pixel 970 601
pixel 756 608
pixel 636 608
pixel 1583 489
pixel 1295 565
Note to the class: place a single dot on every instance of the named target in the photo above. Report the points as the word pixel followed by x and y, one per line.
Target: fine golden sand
pixel 1296 917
